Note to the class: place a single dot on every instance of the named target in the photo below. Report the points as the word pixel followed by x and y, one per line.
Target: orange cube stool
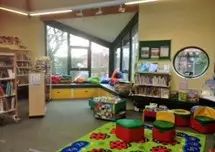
pixel 130 130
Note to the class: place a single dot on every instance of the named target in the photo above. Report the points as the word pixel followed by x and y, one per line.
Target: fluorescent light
pixel 13 11
pixel 49 13
pixel 141 1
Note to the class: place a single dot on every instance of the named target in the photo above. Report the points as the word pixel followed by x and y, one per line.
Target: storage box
pixel 109 108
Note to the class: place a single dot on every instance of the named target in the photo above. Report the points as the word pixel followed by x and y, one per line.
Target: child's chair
pixel 203 120
pixel 164 127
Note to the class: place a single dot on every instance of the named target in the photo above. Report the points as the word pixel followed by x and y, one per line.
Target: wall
pixel 30 30
pixel 186 23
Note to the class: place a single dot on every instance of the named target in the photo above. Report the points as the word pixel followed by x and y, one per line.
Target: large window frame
pixel 118 42
pixel 128 32
pixel 91 39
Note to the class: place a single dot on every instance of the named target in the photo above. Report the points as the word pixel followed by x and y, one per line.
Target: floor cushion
pixel 163 125
pixel 130 123
pixel 204 120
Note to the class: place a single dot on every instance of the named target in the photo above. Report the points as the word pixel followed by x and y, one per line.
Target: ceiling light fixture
pixel 99 12
pixel 121 9
pixel 50 13
pixel 14 11
pixel 80 13
pixel 139 2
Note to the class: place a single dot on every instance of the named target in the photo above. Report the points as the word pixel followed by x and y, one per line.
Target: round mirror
pixel 191 62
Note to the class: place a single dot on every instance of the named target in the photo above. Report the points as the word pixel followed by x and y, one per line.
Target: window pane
pixel 78 41
pixel 125 56
pixel 100 60
pixel 135 46
pixel 79 58
pixel 83 74
pixel 191 62
pixel 117 58
pixel 57 50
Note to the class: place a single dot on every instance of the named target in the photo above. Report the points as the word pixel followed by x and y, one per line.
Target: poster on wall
pixel 155 53
pixel 145 52
pixel 164 51
pixel 159 49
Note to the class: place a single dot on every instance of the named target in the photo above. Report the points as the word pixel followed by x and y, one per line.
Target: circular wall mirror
pixel 191 62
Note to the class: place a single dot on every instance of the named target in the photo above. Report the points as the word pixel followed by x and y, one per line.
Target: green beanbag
pixel 94 80
pixel 130 123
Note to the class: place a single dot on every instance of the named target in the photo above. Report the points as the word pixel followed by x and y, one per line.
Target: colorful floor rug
pixel 103 139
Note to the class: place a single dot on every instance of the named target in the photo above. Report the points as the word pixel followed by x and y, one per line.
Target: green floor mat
pixel 103 139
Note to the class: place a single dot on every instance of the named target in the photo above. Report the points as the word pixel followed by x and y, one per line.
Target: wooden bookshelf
pixel 8 87
pixel 24 65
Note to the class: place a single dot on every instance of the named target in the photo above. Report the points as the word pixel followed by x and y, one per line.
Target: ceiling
pixel 51 5
pixel 106 27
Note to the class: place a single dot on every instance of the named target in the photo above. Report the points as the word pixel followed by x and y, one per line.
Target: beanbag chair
pixel 94 80
pixel 79 80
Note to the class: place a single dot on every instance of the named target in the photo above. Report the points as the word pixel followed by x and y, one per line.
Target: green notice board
pixel 160 49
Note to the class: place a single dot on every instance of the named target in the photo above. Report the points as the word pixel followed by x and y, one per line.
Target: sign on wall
pixel 155 49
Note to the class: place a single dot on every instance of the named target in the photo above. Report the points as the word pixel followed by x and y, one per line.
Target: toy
pixel 116 76
pixel 109 108
pixel 182 96
pixel 203 120
pixel 130 130
pixel 164 127
pixel 193 96
pixel 182 117
pixel 151 109
pixel 208 88
pixel 91 103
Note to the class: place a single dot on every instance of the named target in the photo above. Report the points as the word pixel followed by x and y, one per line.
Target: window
pixel 78 41
pixel 57 49
pixel 135 46
pixel 117 58
pixel 99 60
pixel 75 74
pixel 74 55
pixel 79 58
pixel 191 62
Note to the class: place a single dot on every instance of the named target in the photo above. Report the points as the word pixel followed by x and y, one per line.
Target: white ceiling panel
pixel 106 27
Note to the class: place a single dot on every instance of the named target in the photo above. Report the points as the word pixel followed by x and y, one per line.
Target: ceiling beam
pixel 28 5
pixel 90 12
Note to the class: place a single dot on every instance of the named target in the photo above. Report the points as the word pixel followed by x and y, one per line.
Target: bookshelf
pixel 152 80
pixel 8 87
pixel 24 66
pixel 155 85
